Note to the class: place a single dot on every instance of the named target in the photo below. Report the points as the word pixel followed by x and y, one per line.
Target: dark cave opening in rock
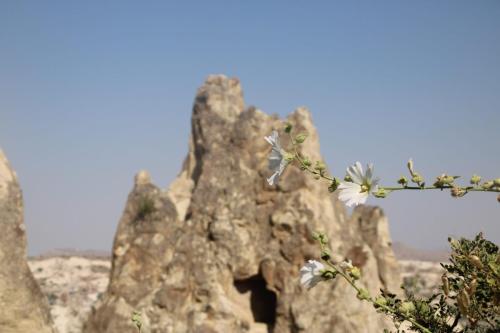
pixel 262 300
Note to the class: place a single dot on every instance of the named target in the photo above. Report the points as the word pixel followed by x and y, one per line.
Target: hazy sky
pixel 93 91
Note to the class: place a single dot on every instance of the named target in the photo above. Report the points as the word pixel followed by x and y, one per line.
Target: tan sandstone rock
pixel 220 251
pixel 23 308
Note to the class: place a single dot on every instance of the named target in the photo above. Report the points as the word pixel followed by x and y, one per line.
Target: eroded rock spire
pixel 220 251
pixel 23 307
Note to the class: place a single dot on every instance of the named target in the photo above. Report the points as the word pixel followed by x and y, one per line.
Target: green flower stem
pixel 467 189
pixel 390 189
pixel 315 172
pixel 371 300
pixel 303 165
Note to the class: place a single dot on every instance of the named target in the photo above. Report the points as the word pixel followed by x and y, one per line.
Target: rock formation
pixel 220 250
pixel 23 308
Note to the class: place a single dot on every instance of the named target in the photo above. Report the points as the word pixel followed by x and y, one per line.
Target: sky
pixel 93 91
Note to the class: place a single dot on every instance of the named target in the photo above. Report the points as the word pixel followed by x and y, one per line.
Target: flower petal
pixel 275 159
pixel 362 198
pixel 349 185
pixel 369 173
pixel 374 185
pixel 273 139
pixel 310 273
pixel 283 165
pixel 314 281
pixel 274 178
pixel 356 173
pixel 350 194
pixel 348 189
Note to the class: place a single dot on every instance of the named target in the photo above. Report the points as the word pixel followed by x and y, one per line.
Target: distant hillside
pixel 404 252
pixel 65 253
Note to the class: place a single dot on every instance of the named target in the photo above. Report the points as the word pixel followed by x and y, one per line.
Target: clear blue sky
pixel 93 91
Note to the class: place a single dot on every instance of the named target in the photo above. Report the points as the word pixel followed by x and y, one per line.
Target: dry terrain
pixel 421 277
pixel 73 283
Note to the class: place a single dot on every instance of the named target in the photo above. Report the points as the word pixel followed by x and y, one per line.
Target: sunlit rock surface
pixel 71 285
pixel 220 250
pixel 23 308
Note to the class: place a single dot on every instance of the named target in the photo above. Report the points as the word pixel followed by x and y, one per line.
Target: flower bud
pixel 381 193
pixel 410 166
pixel 363 294
pixel 446 284
pixel 447 179
pixel 288 156
pixel 300 138
pixel 333 185
pixel 348 178
pixel 288 128
pixel 306 162
pixel 136 319
pixel 355 273
pixel 320 166
pixel 471 289
pixel 381 300
pixel 416 178
pixel 463 301
pixel 403 181
pixel 407 307
pixel 325 254
pixel 424 308
pixel 443 180
pixel 321 237
pixel 457 192
pixel 496 182
pixel 475 179
pixel 487 185
pixel 328 274
pixel 476 261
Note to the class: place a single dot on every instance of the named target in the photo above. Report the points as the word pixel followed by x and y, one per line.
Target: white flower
pixel 310 273
pixel 277 160
pixel 357 191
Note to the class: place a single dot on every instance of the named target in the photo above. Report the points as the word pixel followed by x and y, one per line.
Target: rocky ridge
pixel 220 250
pixel 73 282
pixel 23 308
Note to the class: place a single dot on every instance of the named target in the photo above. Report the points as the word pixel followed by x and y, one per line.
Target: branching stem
pixel 322 174
pixel 371 300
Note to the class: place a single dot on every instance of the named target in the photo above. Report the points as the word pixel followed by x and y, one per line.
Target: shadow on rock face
pixel 262 300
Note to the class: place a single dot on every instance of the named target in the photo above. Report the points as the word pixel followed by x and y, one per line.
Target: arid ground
pixel 73 283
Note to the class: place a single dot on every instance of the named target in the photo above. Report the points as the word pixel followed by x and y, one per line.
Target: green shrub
pixel 145 207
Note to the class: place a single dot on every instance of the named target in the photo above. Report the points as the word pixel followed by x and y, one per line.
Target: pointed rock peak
pixel 303 114
pixel 7 175
pixel 142 178
pixel 221 96
pixel 24 308
pixel 225 256
pixel 217 107
pixel 301 118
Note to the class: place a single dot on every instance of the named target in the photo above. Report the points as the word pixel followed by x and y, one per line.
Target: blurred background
pixel 90 93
